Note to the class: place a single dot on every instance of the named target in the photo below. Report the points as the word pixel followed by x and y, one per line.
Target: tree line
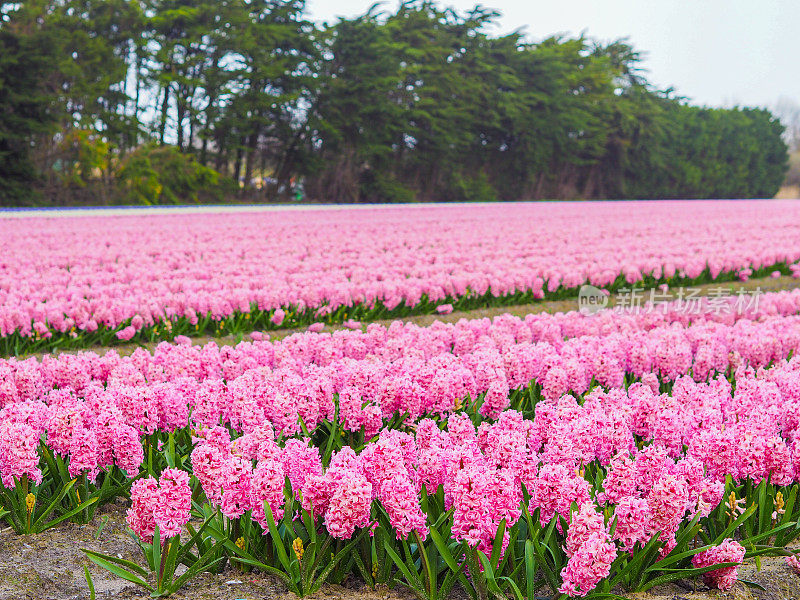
pixel 164 101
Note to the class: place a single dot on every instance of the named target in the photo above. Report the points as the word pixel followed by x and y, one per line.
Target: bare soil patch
pixel 49 566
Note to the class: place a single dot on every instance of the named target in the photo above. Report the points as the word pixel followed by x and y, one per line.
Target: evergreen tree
pixel 25 106
pixel 420 103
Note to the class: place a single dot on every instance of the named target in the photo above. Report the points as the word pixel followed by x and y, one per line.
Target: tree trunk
pixel 138 91
pixel 180 107
pixel 237 165
pixel 252 146
pixel 164 107
pixel 190 141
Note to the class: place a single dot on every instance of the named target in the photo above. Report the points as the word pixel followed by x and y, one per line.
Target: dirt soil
pixel 49 566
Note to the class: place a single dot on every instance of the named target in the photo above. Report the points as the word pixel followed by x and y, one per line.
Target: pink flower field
pixel 600 452
pixel 545 456
pixel 88 280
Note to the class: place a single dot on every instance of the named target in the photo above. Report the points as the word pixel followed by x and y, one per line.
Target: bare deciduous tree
pixel 788 111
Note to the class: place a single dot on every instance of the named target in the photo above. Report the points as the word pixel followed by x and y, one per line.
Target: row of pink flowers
pixel 384 371
pixel 483 473
pixel 87 272
pixel 747 432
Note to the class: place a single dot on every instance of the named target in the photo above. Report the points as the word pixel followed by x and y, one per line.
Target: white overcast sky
pixel 716 52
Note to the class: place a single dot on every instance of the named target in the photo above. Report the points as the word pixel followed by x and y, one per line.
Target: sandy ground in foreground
pixel 49 566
